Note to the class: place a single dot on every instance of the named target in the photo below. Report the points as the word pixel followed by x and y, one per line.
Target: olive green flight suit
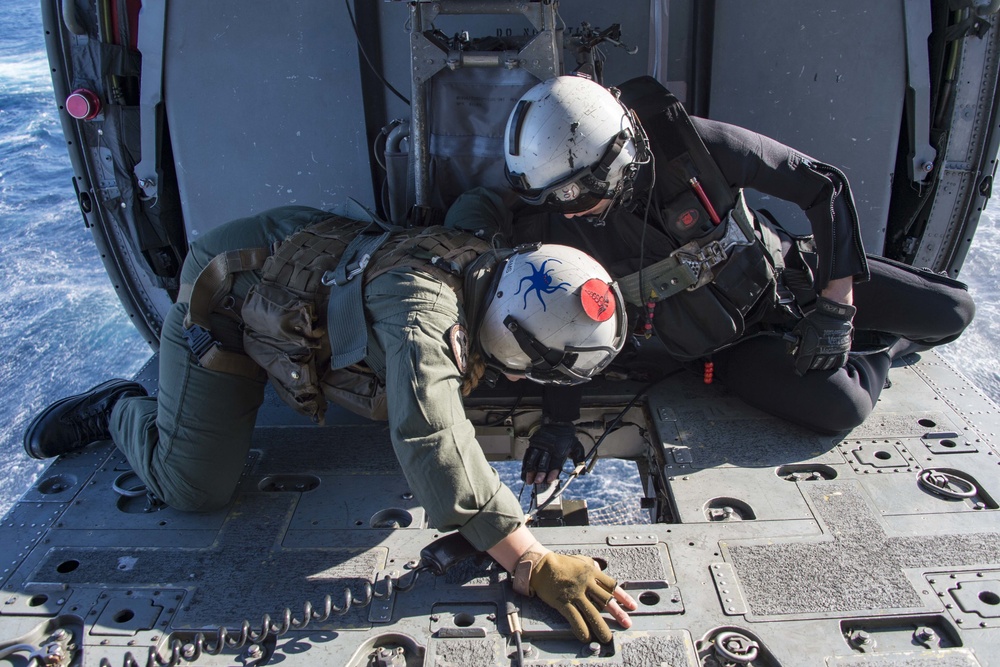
pixel 190 442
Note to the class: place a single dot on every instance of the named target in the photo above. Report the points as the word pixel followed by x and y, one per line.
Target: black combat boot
pixel 74 422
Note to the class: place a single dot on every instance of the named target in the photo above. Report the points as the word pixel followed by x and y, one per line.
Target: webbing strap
pixel 661 281
pixel 345 317
pixel 235 363
pixel 690 266
pixel 769 237
pixel 678 149
pixel 209 289
pixel 215 282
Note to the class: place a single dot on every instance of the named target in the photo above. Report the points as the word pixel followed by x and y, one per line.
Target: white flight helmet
pixel 570 143
pixel 555 316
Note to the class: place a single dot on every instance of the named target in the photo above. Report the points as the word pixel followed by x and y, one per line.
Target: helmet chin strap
pixel 601 218
pixel 621 196
pixel 552 365
pixel 624 192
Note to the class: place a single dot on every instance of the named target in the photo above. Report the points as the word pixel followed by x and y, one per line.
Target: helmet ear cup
pixel 558 143
pixel 554 315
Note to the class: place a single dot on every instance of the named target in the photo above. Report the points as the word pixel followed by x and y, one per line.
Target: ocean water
pixel 63 330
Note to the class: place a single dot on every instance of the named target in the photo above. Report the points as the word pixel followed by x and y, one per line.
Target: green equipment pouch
pixel 286 314
pixel 284 334
pixel 358 389
pixel 281 336
pixel 285 331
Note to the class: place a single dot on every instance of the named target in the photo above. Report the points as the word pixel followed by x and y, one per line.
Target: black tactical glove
pixel 548 448
pixel 572 585
pixel 823 337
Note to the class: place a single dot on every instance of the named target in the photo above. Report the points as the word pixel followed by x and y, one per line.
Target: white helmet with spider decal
pixel 555 316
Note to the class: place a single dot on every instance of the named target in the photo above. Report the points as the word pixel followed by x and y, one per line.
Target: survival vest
pixel 723 274
pixel 285 314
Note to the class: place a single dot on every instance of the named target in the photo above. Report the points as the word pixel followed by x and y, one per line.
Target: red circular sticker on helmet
pixel 597 300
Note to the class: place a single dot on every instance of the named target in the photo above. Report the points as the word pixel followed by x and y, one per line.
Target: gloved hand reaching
pixel 548 449
pixel 823 337
pixel 572 585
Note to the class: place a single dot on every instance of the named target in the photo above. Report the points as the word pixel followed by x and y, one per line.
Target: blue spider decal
pixel 540 282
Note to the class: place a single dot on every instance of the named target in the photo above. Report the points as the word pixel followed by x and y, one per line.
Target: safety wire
pixel 364 54
pixel 590 459
pixel 650 305
pixel 510 414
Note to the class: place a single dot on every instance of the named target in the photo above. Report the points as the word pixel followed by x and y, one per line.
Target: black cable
pixel 614 422
pixel 509 414
pixel 584 466
pixel 361 48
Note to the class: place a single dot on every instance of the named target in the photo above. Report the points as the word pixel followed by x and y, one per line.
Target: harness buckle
pixel 445 265
pixel 352 270
pixel 712 254
pixel 700 263
pixel 200 340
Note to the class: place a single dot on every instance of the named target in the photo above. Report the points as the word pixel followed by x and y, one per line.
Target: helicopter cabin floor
pixel 876 547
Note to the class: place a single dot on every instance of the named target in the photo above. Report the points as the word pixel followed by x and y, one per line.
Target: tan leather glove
pixel 572 585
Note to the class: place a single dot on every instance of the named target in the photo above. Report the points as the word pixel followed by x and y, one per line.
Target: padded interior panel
pixel 264 107
pixel 796 78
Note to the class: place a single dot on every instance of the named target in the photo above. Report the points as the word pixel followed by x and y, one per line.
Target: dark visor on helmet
pixel 580 191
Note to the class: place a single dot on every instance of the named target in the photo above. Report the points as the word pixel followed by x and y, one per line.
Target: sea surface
pixel 63 330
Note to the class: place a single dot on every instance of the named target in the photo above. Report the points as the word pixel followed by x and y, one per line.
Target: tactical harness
pixel 303 323
pixel 725 272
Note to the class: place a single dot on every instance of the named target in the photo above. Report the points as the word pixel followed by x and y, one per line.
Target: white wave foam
pixel 26 73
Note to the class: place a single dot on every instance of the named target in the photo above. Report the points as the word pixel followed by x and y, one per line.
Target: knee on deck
pixel 190 499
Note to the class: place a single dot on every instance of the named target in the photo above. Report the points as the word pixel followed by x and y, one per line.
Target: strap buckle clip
pixel 352 270
pixel 200 340
pixel 699 261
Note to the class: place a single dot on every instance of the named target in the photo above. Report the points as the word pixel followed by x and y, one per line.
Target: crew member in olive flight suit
pixel 442 307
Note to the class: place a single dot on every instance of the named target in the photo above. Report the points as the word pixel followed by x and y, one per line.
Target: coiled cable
pixel 188 652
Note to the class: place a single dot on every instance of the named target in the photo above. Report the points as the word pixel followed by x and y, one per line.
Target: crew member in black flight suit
pixel 775 314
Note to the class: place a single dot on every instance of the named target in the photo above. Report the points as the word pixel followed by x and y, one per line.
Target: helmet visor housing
pixel 581 190
pixel 554 317
pixel 569 144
